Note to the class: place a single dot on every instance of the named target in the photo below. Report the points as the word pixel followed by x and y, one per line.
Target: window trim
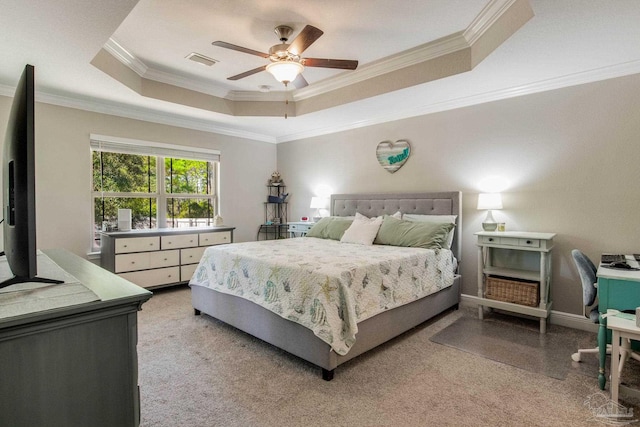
pixel 160 151
pixel 150 148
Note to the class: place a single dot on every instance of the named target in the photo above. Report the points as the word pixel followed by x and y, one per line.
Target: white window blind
pixel 147 148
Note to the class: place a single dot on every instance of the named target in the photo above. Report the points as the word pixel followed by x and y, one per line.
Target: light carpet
pixel 197 371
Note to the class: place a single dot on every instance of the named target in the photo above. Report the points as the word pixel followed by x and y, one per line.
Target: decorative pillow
pixel 362 231
pixel 332 227
pixel 436 219
pixel 426 235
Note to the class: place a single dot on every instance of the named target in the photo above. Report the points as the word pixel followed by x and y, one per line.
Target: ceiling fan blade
pixel 240 49
pixel 307 36
pixel 247 73
pixel 343 64
pixel 300 82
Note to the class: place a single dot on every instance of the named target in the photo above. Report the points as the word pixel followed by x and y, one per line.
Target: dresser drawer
pixel 186 272
pixel 490 239
pixel 137 244
pixel 179 241
pixel 208 239
pixel 145 260
pixel 191 255
pixel 299 228
pixel 510 241
pixel 149 278
pixel 531 243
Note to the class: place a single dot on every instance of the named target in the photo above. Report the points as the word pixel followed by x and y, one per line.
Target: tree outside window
pixel 131 181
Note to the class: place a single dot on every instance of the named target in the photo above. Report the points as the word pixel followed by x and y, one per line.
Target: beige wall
pixel 572 157
pixel 63 171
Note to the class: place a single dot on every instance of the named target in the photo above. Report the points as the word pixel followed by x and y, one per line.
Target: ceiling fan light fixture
pixel 285 71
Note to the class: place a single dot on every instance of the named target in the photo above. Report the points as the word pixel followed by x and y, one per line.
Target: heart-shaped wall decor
pixel 392 155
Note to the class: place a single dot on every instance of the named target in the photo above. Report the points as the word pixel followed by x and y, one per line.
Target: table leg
pixel 602 346
pixel 615 360
pixel 480 281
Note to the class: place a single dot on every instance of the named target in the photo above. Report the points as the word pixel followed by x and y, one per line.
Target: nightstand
pixel 517 263
pixel 301 228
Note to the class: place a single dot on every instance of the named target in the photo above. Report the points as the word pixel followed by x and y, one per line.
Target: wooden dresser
pixel 159 257
pixel 71 363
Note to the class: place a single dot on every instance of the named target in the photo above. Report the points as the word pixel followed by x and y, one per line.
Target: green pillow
pixel 330 228
pixel 428 235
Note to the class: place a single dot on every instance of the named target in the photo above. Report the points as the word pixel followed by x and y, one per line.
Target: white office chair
pixel 587 271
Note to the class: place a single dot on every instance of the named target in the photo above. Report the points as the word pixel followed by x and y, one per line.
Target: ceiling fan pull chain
pixel 286 99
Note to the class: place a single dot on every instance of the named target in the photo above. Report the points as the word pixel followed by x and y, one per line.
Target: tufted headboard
pixel 376 204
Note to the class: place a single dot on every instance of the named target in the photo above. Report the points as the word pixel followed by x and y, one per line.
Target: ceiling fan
pixel 286 63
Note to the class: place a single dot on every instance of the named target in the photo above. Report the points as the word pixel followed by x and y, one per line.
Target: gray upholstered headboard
pixel 376 204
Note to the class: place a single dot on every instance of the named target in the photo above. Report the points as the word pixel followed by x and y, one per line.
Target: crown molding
pixel 7 91
pixel 118 51
pixel 486 18
pixel 598 74
pixel 127 58
pixel 120 110
pixel 417 55
pixel 191 84
pixel 144 114
pixel 244 96
pixel 428 51
pixel 434 49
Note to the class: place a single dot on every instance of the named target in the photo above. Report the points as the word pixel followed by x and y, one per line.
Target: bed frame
pixel 300 341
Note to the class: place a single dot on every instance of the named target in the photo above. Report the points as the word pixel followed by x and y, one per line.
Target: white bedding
pixel 325 285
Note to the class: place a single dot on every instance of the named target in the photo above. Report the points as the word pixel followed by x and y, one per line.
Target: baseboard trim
pixel 559 318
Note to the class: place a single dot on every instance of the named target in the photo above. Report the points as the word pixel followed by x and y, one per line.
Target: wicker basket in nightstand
pixel 517 291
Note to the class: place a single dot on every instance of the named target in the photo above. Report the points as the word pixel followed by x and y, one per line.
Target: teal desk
pixel 620 290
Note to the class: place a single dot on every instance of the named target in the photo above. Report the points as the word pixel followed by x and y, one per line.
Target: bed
pixel 306 331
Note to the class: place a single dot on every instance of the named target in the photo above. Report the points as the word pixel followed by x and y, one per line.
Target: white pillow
pixel 362 230
pixel 439 219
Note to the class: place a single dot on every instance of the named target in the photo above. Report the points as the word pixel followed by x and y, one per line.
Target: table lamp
pixel 318 203
pixel 489 201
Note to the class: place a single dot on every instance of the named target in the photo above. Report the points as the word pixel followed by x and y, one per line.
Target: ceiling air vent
pixel 201 59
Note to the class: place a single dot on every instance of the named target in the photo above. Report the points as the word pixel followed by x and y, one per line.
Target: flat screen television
pixel 19 187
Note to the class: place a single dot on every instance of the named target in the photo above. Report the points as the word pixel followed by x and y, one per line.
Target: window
pixel 163 185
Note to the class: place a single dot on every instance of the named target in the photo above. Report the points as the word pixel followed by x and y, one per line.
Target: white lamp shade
pixel 319 203
pixel 489 201
pixel 285 71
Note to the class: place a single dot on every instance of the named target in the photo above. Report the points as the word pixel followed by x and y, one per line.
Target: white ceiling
pixel 567 42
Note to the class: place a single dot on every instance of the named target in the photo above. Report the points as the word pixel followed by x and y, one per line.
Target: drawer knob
pixel 125 246
pixel 491 239
pixel 133 262
pixel 528 242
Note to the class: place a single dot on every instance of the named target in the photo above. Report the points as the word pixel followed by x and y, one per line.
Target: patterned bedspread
pixel 325 285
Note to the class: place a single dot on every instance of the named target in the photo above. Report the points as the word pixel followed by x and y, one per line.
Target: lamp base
pixel 489 226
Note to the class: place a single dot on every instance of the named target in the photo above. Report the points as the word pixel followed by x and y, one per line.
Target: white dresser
pixel 160 257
